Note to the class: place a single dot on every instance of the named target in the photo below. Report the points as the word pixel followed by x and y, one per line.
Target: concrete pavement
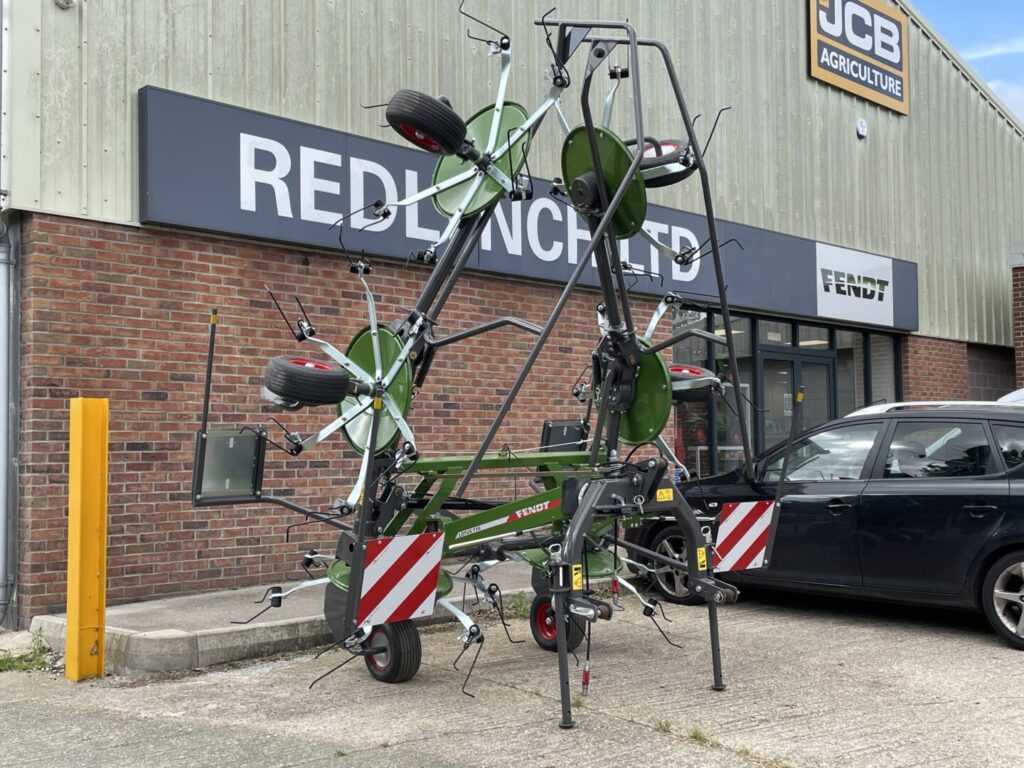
pixel 812 683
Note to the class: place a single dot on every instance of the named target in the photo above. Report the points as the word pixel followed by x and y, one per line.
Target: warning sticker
pixel 577 577
pixel 665 494
pixel 702 559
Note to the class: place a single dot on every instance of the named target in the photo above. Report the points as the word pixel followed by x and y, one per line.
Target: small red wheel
pixel 544 627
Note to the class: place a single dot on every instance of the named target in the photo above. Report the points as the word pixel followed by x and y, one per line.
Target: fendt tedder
pixel 387 569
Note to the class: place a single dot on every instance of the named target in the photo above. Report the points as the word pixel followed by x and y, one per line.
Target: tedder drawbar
pixel 387 569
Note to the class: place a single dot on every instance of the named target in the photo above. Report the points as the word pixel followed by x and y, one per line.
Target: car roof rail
pixel 933 405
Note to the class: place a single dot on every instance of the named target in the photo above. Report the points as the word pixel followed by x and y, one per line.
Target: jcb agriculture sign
pixel 861 47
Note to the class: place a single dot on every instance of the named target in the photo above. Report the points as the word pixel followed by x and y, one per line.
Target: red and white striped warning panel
pixel 399 578
pixel 742 540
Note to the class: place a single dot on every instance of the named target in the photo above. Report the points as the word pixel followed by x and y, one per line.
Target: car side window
pixel 835 454
pixel 939 449
pixel 1011 443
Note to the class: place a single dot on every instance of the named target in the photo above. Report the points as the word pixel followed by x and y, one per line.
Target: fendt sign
pixel 219 168
pixel 861 47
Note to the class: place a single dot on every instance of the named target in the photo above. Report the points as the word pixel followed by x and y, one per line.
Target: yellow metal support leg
pixel 87 539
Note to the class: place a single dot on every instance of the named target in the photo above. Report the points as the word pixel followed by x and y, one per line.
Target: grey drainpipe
pixel 9 331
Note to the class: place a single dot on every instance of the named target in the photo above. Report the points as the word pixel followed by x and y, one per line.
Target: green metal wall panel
pixel 940 187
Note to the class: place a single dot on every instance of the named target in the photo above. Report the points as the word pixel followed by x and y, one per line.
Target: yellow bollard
pixel 87 539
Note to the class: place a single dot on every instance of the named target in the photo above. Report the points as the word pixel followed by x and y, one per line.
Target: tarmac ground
pixel 811 682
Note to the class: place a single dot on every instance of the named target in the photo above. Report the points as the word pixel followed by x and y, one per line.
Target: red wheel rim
pixel 544 620
pixel 380 660
pixel 303 363
pixel 419 138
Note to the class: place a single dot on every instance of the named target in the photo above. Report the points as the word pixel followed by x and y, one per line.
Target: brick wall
pixel 934 369
pixel 1018 323
pixel 121 312
pixel 990 371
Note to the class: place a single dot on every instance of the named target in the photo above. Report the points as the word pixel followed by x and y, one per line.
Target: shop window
pixel 727 426
pixel 774 333
pixel 692 351
pixel 812 337
pixel 849 371
pixel 883 369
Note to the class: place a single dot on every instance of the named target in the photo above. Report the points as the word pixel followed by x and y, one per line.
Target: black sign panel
pixel 210 166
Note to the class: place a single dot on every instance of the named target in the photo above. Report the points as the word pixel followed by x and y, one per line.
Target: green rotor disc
pixel 648 415
pixel 360 352
pixel 477 128
pixel 615 161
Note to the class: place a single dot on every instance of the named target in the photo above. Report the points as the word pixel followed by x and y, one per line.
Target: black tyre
pixel 399 659
pixel 545 629
pixel 1002 598
pixel 306 381
pixel 671 542
pixel 426 122
pixel 671 151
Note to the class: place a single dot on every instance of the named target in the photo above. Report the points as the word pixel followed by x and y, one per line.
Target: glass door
pixel 781 375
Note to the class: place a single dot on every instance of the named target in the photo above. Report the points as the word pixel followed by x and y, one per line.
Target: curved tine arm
pixel 668 452
pixel 609 104
pixel 462 618
pixel 371 311
pixel 400 422
pixel 423 194
pixel 682 336
pixel 625 583
pixel 561 119
pixel 337 424
pixel 663 249
pixel 364 474
pixel 414 335
pixel 499 101
pixel 305 585
pixel 485 327
pixel 341 359
pixel 659 313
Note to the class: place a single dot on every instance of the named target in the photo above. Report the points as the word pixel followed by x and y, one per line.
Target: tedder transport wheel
pixel 426 122
pixel 544 628
pixel 400 658
pixel 671 542
pixel 1002 598
pixel 306 381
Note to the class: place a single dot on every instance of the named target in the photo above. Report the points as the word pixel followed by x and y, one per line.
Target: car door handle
pixel 838 506
pixel 980 510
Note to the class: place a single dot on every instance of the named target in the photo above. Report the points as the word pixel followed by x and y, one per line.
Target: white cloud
pixel 1002 48
pixel 1012 95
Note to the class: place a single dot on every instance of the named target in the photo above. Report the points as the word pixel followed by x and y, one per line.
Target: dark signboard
pixel 861 47
pixel 209 166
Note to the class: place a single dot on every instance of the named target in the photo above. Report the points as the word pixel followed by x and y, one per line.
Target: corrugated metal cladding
pixel 941 187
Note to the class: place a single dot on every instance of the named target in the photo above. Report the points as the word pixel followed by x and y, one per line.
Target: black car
pixel 914 504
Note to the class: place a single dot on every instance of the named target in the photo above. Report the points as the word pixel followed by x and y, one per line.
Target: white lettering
pixel 511 229
pixel 533 235
pixel 412 215
pixel 832 27
pixel 855 11
pixel 576 234
pixel 250 175
pixel 309 184
pixel 358 169
pixel 887 40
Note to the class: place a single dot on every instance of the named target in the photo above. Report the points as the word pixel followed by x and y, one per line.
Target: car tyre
pixel 671 542
pixel 1002 598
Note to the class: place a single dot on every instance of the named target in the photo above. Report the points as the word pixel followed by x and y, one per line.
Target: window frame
pixel 1014 472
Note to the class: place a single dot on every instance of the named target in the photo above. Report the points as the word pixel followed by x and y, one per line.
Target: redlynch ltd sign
pixel 861 47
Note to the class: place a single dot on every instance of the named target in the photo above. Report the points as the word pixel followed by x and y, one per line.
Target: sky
pixel 989 34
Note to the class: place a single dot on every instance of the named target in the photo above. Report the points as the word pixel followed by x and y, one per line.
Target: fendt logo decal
pixel 856 286
pixel 861 47
pixel 519 514
pixel 853 285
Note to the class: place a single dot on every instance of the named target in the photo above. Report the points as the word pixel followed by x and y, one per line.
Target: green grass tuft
pixel 34 659
pixel 662 726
